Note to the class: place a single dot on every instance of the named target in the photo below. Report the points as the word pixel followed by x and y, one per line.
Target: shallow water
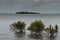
pixel 7 34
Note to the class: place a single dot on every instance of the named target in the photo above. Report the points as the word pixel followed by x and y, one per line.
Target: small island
pixel 27 13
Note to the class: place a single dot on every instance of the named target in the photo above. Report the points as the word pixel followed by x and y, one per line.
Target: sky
pixel 42 6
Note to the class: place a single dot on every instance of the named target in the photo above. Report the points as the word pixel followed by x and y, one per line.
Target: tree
pixel 36 26
pixel 56 27
pixel 19 25
pixel 50 30
pixel 27 13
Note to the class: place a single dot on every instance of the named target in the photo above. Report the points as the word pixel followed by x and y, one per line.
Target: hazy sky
pixel 42 6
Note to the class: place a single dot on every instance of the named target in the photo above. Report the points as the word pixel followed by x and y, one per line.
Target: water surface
pixel 7 34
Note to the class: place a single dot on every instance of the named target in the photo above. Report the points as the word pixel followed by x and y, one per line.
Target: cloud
pixel 37 0
pixel 19 4
pixel 28 0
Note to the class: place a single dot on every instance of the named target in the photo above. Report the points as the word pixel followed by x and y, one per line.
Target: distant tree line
pixel 27 13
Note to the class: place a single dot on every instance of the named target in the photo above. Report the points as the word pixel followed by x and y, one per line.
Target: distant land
pixel 27 13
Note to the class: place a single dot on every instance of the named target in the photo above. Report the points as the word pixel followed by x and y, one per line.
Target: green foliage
pixel 56 27
pixel 50 29
pixel 19 25
pixel 36 26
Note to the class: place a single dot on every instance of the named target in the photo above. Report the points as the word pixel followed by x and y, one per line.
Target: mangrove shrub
pixel 37 26
pixel 19 25
pixel 51 30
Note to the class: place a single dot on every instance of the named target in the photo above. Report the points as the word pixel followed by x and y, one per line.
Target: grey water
pixel 47 19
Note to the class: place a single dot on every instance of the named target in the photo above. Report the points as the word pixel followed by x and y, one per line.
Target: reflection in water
pixel 34 36
pixel 52 37
pixel 19 35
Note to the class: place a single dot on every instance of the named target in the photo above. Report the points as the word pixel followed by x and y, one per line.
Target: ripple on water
pixel 5 36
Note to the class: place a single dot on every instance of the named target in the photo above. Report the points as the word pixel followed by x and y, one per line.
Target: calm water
pixel 7 34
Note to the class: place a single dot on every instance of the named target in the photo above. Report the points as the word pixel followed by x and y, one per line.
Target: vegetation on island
pixel 27 13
